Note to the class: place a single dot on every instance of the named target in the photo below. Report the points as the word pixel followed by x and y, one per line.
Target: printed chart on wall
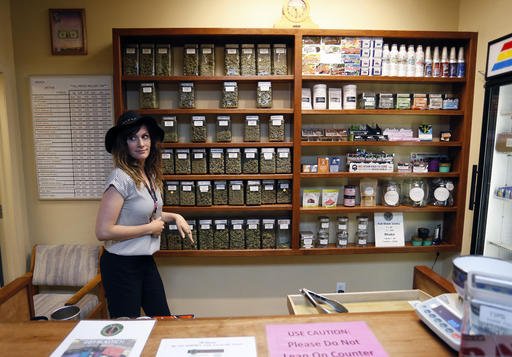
pixel 71 115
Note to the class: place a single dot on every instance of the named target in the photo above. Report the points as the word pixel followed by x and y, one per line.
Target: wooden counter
pixel 401 333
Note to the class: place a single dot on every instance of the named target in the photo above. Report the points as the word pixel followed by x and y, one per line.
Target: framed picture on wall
pixel 67 31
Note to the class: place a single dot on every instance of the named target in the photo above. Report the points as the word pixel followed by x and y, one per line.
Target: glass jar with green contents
pixel 263 59
pixel 190 60
pixel 252 130
pixel 198 162
pixel 131 60
pixel 205 234
pixel 248 60
pixel 253 193
pixel 229 95
pixel 284 233
pixel 174 240
pixel 220 234
pixel 284 191
pixel 268 234
pixel 186 95
pixel 207 60
pixel 187 244
pixel 233 161
pixel 284 161
pixel 236 234
pixel 147 59
pixel 232 60
pixel 163 59
pixel 220 193
pixel 199 130
pixel 264 95
pixel 216 163
pixel 187 193
pixel 268 161
pixel 236 193
pixel 223 132
pixel 148 96
pixel 250 161
pixel 204 195
pixel 268 192
pixel 182 162
pixel 279 59
pixel 170 126
pixel 167 161
pixel 171 193
pixel 276 128
pixel 253 234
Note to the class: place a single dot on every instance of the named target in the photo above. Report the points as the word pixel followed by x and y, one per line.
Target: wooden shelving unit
pixel 459 121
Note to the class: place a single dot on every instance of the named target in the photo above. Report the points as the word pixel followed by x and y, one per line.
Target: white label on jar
pixel 220 187
pixel 198 155
pixel 324 241
pixel 168 123
pixel 186 89
pixel 268 155
pixel 368 191
pixel 162 51
pixel 269 187
pixel 147 90
pixel 146 51
pixel 441 194
pixel 237 226
pixel 198 122
pixel 220 226
pixel 252 226
pixel 307 241
pixel 416 194
pixel 280 50
pixel 235 187
pixel 187 188
pixel 264 86
pixel 324 225
pixel 205 226
pixel 269 225
pixel 254 188
pixel 284 186
pixel 283 155
pixel 130 50
pixel 283 226
pixel 350 191
pixel 252 122
pixel 391 198
pixel 232 155
pixel 182 156
pixel 171 188
pixel 207 51
pixel 229 89
pixel 342 242
pixel 166 156
pixel 216 155
pixel 449 185
pixel 496 317
pixel 250 155
pixel 361 227
pixel 247 51
pixel 191 51
pixel 232 51
pixel 277 122
pixel 361 241
pixel 342 227
pixel 204 188
pixel 223 123
pixel 173 226
pixel 263 51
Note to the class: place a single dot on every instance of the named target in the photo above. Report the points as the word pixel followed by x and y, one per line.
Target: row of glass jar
pixel 224 130
pixel 230 161
pixel 150 59
pixel 230 234
pixel 236 192
pixel 321 239
pixel 149 98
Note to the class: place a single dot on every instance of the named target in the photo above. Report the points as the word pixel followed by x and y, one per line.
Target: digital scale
pixel 443 314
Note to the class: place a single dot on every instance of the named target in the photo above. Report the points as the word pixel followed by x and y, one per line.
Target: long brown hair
pixel 124 161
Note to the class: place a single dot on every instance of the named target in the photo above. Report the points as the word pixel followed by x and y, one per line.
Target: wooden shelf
pixel 440 144
pixel 436 112
pixel 224 111
pixel 228 177
pixel 359 209
pixel 162 79
pixel 228 209
pixel 403 175
pixel 261 144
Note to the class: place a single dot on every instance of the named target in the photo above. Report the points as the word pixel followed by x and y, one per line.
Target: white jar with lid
pixel 320 96
pixel 349 96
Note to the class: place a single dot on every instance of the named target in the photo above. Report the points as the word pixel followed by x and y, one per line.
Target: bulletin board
pixel 71 115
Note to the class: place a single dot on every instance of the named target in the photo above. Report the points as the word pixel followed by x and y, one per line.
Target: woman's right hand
pixel 156 226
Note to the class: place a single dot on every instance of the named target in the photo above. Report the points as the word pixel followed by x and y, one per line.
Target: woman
pixel 130 219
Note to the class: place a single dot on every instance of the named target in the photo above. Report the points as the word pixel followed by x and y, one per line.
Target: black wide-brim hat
pixel 128 120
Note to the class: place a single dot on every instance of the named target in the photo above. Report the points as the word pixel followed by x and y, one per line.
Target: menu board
pixel 71 115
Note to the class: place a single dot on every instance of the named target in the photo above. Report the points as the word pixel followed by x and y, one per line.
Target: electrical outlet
pixel 341 287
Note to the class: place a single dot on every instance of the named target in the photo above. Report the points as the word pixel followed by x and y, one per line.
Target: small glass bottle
pixel 391 194
pixel 322 239
pixel 341 232
pixel 362 231
pixel 324 224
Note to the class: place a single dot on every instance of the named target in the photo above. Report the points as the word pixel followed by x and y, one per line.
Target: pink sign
pixel 336 339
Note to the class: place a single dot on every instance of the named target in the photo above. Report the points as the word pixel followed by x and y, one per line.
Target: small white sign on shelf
pixel 389 229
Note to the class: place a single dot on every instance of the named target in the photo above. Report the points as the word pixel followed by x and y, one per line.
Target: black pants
pixel 132 282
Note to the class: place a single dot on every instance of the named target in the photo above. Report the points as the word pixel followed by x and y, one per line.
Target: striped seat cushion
pixel 65 265
pixel 45 304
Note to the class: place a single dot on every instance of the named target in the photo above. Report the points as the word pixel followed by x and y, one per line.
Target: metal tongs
pixel 320 302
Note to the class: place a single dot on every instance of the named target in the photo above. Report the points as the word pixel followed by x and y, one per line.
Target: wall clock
pixel 296 13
